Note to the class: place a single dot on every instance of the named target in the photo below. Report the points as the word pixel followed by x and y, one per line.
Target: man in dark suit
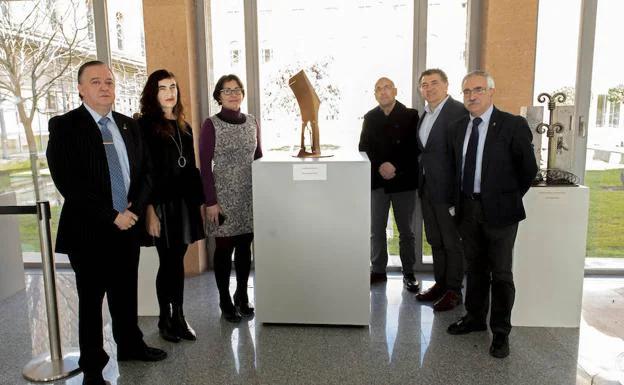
pixel 436 188
pixel 495 165
pixel 389 139
pixel 98 163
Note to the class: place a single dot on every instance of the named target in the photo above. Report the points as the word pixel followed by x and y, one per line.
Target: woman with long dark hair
pixel 229 143
pixel 173 217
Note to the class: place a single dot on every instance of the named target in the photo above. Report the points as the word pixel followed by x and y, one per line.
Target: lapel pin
pixel 124 127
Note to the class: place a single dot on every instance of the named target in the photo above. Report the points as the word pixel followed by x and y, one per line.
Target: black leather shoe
pixel 377 277
pixel 168 334
pixel 228 311
pixel 500 346
pixel 410 283
pixel 182 329
pixel 166 327
pixel 465 326
pixel 232 316
pixel 93 379
pixel 147 354
pixel 243 306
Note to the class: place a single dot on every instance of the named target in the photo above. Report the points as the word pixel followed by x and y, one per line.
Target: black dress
pixel 178 193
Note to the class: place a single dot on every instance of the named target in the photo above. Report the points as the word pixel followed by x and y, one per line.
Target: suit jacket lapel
pixel 88 120
pixel 123 130
pixel 492 133
pixel 420 122
pixel 459 144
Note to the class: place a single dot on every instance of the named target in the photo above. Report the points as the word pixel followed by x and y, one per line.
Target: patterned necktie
pixel 470 161
pixel 118 188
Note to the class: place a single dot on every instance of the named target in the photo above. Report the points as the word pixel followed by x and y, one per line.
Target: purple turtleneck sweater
pixel 207 146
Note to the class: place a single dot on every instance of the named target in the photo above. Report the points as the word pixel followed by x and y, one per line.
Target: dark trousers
pixel 241 246
pixel 443 236
pixel 170 277
pixel 488 252
pixel 408 218
pixel 112 272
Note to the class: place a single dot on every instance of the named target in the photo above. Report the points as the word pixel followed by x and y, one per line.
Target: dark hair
pixel 88 64
pixel 434 71
pixel 151 108
pixel 216 94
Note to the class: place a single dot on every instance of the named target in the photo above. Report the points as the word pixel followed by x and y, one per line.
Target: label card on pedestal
pixel 553 197
pixel 309 172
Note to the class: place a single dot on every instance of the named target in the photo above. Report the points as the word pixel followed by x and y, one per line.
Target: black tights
pixel 170 277
pixel 241 246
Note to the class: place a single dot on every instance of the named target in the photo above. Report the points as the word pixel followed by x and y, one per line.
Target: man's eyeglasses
pixel 474 91
pixel 232 91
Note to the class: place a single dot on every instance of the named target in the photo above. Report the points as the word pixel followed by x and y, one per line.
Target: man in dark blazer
pixel 495 166
pixel 389 139
pixel 105 191
pixel 436 187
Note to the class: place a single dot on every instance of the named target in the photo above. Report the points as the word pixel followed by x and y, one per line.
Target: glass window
pixel 128 54
pixel 601 109
pixel 228 48
pixel 446 47
pixel 46 87
pixel 329 56
pixel 119 29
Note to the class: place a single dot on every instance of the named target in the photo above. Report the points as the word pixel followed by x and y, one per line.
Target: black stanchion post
pixel 53 366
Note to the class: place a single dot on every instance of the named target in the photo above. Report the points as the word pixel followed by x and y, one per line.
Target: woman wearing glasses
pixel 173 217
pixel 228 144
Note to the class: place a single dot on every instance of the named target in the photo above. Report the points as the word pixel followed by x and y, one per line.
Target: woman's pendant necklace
pixel 181 158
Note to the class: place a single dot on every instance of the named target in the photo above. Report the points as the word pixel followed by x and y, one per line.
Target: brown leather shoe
pixel 434 293
pixel 449 301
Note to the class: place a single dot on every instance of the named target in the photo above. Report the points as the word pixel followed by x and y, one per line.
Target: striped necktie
pixel 118 188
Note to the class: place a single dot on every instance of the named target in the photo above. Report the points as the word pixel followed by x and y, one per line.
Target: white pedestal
pixel 12 265
pixel 312 239
pixel 549 257
pixel 148 268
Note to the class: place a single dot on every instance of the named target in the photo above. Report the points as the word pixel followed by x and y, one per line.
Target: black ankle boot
pixel 229 312
pixel 182 328
pixel 166 325
pixel 242 304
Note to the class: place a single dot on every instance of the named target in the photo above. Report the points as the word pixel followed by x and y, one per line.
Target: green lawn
pixel 605 233
pixel 29 229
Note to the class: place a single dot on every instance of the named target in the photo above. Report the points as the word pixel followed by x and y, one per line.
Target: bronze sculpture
pixel 309 103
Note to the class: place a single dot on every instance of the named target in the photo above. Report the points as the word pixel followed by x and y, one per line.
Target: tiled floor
pixel 404 344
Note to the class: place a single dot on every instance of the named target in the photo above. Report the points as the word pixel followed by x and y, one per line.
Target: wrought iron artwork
pixel 556 177
pixel 552 175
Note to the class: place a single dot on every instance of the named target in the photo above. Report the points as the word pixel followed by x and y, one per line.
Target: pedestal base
pixel 44 369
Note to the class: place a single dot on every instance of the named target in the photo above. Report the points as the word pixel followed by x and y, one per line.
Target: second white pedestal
pixel 549 257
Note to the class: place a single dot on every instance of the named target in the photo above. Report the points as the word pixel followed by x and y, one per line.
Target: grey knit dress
pixel 235 146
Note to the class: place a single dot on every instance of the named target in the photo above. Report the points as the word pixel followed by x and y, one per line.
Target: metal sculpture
pixel 309 103
pixel 552 175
